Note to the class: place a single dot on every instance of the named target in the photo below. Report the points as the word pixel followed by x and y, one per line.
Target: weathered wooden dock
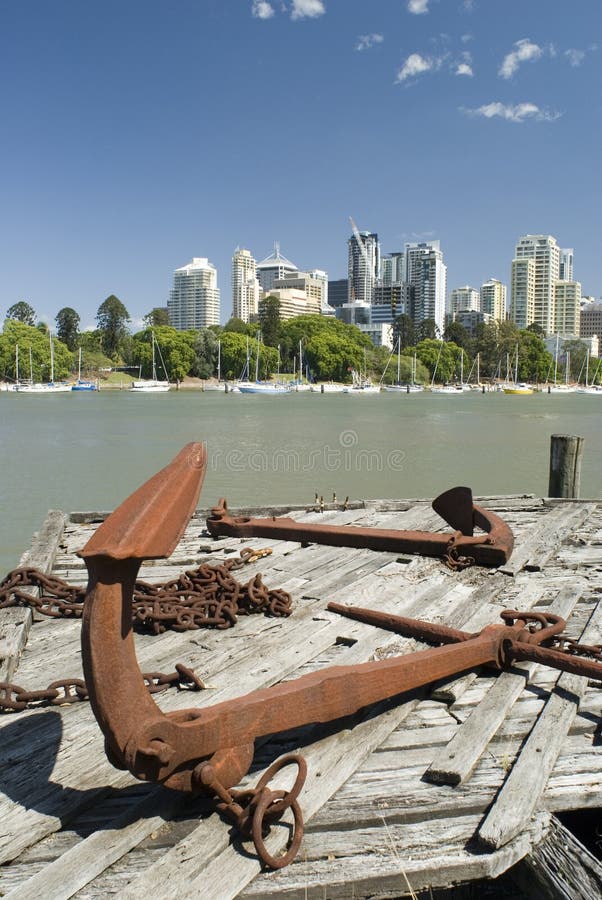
pixel 457 783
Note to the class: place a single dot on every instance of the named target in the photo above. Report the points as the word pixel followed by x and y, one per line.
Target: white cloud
pixel 415 64
pixel 519 112
pixel 418 7
pixel 524 51
pixel 575 57
pixel 261 9
pixel 302 9
pixel 464 69
pixel 365 41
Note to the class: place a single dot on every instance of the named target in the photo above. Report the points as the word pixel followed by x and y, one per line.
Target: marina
pixel 457 783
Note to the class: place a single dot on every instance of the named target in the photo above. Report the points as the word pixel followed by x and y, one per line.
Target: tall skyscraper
pixel 363 266
pixel 545 253
pixel 566 264
pixel 463 299
pixel 522 292
pixel 245 286
pixel 567 306
pixel 426 272
pixel 194 300
pixel 493 299
pixel 274 267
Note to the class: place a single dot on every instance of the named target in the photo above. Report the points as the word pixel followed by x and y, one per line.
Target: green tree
pixel 22 312
pixel 174 348
pixel 269 319
pixel 456 332
pixel 534 361
pixel 440 356
pixel 239 327
pixel 67 326
pixel 112 318
pixel 403 331
pixel 32 339
pixel 304 328
pixel 427 330
pixel 157 316
pixel 204 343
pixel 234 356
pixel 577 352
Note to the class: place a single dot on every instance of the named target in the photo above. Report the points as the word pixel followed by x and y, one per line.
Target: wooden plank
pixel 71 871
pixel 15 622
pixel 458 760
pixel 527 781
pixel 559 866
pixel 546 536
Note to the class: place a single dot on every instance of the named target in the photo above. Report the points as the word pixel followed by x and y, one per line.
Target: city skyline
pixel 137 138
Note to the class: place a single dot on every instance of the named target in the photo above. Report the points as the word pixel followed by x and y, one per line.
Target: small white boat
pixel 36 387
pixel 152 385
pixel 263 387
pixel 82 384
pixel 328 387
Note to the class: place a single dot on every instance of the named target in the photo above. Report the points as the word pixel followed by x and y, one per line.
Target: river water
pixel 89 451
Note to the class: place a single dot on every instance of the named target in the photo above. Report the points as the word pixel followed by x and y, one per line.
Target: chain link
pixel 206 597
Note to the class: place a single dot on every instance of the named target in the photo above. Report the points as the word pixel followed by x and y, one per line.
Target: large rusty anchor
pixel 491 547
pixel 209 750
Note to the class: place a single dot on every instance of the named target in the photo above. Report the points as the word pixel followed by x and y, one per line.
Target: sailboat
pixel 153 385
pixel 517 387
pixel 79 384
pixel 299 384
pixel 38 387
pixel 260 387
pixel 588 388
pixel 398 388
pixel 556 387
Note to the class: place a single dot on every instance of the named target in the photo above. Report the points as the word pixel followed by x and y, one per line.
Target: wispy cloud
pixel 261 9
pixel 464 69
pixel 418 7
pixel 365 41
pixel 307 9
pixel 414 65
pixel 519 112
pixel 524 51
pixel 575 57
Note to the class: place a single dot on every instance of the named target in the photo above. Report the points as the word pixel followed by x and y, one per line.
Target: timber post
pixel 566 451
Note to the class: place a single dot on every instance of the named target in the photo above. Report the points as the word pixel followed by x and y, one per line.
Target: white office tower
pixel 463 299
pixel 566 264
pixel 522 292
pixel 245 286
pixel 363 266
pixel 426 272
pixel 545 252
pixel 567 305
pixel 273 268
pixel 493 299
pixel 194 299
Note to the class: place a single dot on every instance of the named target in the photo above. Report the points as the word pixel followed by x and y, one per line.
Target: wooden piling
pixel 565 465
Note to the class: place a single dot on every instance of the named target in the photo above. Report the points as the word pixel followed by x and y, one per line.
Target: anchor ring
pixel 262 810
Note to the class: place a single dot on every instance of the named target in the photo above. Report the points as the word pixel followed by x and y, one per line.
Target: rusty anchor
pixel 491 547
pixel 209 750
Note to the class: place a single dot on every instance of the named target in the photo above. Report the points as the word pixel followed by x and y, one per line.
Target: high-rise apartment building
pixel 522 292
pixel 245 286
pixel 391 268
pixel 425 271
pixel 194 300
pixel 463 299
pixel 545 253
pixel 493 299
pixel 274 267
pixel 566 264
pixel 363 266
pixel 567 304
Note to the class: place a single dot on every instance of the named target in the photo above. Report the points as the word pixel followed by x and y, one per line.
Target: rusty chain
pixel 209 596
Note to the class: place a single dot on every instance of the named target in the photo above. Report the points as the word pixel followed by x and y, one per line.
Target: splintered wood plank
pixel 15 622
pixel 458 760
pixel 527 781
pixel 543 539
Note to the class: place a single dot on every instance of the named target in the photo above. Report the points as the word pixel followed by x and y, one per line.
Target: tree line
pixel 329 349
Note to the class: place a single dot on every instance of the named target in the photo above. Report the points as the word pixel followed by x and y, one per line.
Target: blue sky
pixel 136 135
